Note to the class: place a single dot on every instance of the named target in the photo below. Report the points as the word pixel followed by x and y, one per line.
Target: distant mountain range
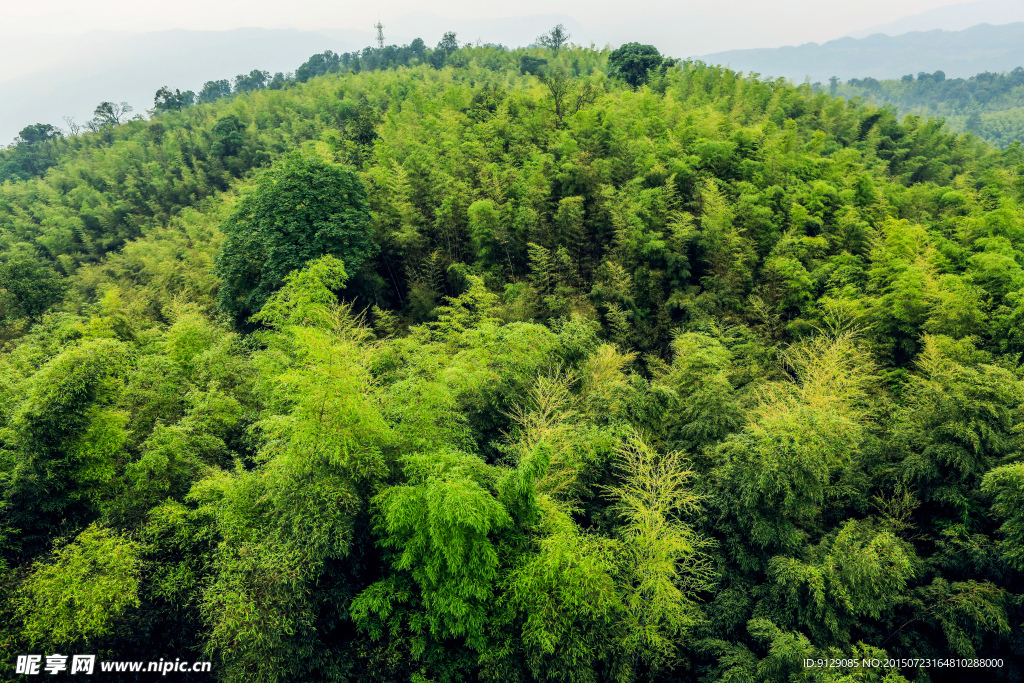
pixel 131 67
pixel 952 18
pixel 957 53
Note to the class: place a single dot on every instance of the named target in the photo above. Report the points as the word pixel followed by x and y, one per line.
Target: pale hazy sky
pixel 775 22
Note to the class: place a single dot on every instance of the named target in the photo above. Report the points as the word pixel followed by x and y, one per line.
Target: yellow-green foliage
pixel 83 590
pixel 801 436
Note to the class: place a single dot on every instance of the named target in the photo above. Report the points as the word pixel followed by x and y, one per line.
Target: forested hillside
pixel 990 105
pixel 488 365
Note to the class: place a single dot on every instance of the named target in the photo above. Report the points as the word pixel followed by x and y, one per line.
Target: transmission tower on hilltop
pixel 380 34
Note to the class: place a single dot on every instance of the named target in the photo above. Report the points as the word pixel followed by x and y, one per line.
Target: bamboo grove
pixel 516 366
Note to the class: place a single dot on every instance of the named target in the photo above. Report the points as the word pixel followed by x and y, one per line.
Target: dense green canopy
pixel 464 371
pixel 989 105
pixel 300 209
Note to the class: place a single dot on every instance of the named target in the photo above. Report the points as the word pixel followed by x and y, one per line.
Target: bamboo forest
pixel 467 363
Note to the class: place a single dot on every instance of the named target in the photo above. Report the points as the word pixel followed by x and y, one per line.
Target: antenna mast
pixel 380 33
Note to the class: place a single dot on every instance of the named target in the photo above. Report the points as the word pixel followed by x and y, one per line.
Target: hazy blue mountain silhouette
pixel 951 18
pixel 130 67
pixel 958 53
